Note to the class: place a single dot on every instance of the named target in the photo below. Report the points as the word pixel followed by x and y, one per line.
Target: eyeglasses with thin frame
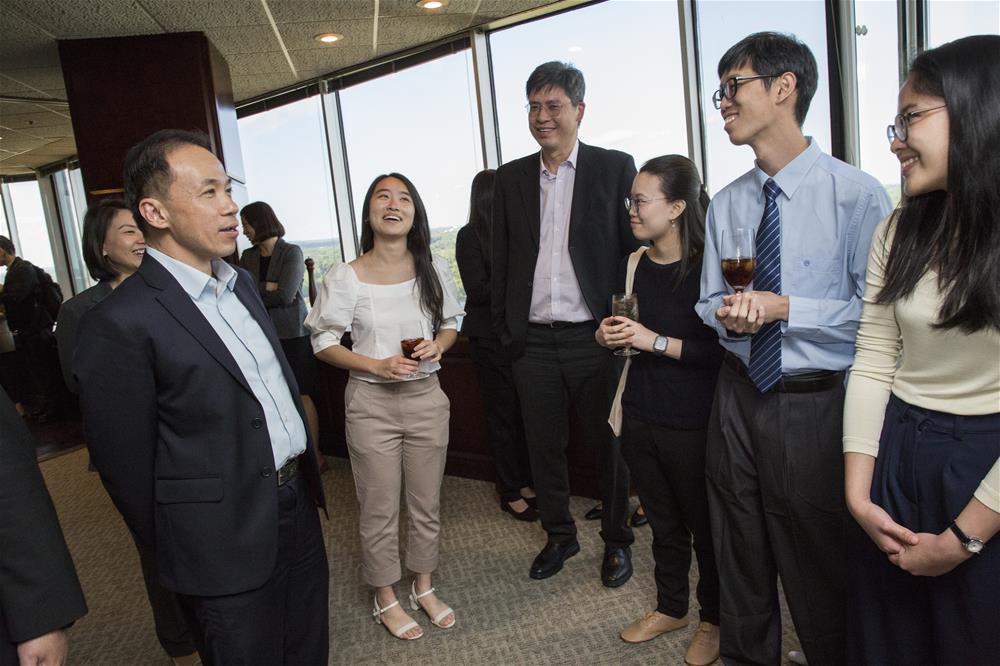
pixel 900 127
pixel 553 108
pixel 729 87
pixel 638 203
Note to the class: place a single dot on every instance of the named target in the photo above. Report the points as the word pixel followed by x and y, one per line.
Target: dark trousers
pixel 775 474
pixel 168 618
pixel 285 621
pixel 928 468
pixel 563 367
pixel 503 417
pixel 668 467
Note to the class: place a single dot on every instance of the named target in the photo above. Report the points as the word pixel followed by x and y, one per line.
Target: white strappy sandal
pixel 436 620
pixel 377 614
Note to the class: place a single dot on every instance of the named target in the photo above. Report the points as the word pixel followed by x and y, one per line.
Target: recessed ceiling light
pixel 329 37
pixel 432 4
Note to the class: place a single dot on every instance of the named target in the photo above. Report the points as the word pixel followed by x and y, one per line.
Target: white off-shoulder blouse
pixel 377 315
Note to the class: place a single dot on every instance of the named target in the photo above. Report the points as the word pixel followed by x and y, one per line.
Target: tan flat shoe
pixel 652 625
pixel 704 647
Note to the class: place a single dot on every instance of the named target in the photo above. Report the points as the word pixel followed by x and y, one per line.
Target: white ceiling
pixel 34 134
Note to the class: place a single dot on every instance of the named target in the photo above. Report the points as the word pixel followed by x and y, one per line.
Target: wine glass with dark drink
pixel 411 335
pixel 738 257
pixel 625 305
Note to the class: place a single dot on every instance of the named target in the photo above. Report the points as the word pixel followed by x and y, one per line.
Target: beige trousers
pixel 397 432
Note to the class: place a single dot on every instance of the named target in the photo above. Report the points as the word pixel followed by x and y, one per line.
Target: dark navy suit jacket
pixel 177 435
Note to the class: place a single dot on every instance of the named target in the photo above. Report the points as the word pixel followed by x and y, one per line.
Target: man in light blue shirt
pixel 774 462
pixel 192 416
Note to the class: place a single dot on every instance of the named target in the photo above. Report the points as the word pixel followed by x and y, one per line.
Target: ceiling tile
pixel 68 20
pixel 313 11
pixel 182 15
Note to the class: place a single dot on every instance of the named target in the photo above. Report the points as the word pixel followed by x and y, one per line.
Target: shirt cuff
pixel 989 489
pixel 321 341
pixel 860 445
pixel 803 315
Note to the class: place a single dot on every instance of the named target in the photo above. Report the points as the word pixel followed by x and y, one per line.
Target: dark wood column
pixel 122 89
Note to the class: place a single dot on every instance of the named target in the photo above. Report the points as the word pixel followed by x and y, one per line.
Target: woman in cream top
pixel 396 413
pixel 922 412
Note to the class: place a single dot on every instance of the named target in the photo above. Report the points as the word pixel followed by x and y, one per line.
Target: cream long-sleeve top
pixel 379 316
pixel 900 352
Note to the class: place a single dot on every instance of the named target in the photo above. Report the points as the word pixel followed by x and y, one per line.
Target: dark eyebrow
pixel 906 109
pixel 388 191
pixel 214 181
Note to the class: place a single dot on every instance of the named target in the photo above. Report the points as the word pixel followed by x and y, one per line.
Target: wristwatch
pixel 660 345
pixel 971 544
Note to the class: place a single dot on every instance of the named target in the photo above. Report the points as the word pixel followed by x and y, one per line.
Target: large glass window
pixel 948 20
pixel 72 224
pixel 285 157
pixel 421 122
pixel 722 23
pixel 878 82
pixel 629 53
pixel 32 231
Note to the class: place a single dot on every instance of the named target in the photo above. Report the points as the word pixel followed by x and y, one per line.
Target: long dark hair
pixel 263 220
pixel 680 181
pixel 956 232
pixel 481 210
pixel 418 242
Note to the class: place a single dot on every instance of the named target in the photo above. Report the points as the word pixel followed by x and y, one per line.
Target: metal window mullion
pixel 340 173
pixel 53 226
pixel 848 54
pixel 691 69
pixel 8 210
pixel 486 100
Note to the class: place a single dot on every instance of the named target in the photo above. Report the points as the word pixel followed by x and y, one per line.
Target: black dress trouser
pixel 171 628
pixel 562 367
pixel 286 620
pixel 668 468
pixel 929 466
pixel 503 417
pixel 775 470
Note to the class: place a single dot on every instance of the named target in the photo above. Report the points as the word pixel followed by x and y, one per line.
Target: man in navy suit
pixel 560 231
pixel 193 420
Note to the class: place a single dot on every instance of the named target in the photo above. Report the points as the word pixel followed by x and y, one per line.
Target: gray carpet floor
pixel 503 616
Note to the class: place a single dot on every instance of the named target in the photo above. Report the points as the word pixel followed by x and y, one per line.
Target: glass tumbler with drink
pixel 738 257
pixel 625 305
pixel 411 335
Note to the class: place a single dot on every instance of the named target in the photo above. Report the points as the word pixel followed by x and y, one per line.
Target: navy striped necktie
pixel 765 346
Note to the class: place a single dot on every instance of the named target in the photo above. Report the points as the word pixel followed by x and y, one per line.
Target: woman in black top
pixel 496 384
pixel 668 397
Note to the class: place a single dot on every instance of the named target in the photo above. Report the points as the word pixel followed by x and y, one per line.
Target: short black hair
pixel 560 75
pixel 261 218
pixel 146 171
pixel 776 53
pixel 7 245
pixel 95 230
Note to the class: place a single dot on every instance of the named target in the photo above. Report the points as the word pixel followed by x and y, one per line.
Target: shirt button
pixel 257 424
pixel 266 472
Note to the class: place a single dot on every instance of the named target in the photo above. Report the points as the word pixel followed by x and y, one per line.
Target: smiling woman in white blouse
pixel 396 413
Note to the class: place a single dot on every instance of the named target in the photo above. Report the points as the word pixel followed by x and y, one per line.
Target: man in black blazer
pixel 192 417
pixel 560 232
pixel 39 592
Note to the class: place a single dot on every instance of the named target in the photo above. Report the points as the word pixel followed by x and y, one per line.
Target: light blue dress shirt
pixel 245 340
pixel 829 211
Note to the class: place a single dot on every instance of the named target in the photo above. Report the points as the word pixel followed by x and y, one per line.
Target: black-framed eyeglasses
pixel 553 108
pixel 729 87
pixel 900 127
pixel 639 203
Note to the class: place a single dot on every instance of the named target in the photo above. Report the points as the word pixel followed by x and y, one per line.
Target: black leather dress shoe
pixel 594 513
pixel 638 519
pixel 529 515
pixel 550 561
pixel 617 566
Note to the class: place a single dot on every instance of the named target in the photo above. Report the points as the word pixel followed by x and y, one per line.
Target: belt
pixel 288 471
pixel 807 382
pixel 561 324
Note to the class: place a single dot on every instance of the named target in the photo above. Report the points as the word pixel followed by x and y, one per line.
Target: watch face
pixel 975 546
pixel 660 344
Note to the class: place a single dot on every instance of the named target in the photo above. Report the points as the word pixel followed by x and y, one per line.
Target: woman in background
pixel 396 413
pixel 666 396
pixel 278 267
pixel 496 383
pixel 922 412
pixel 113 248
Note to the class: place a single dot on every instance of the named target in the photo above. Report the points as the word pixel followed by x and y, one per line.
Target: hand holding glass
pixel 738 257
pixel 625 305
